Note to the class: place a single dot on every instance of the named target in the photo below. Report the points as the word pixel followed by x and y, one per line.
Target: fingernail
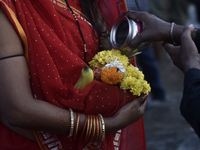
pixel 145 96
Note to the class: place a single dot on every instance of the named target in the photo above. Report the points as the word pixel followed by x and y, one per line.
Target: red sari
pixel 55 53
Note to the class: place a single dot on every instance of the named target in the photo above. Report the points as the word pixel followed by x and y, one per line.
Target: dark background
pixel 165 128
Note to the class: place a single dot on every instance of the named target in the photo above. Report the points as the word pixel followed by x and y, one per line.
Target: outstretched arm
pixel 187 59
pixel 155 29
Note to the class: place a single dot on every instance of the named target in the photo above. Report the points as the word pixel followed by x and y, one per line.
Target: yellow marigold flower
pixel 111 76
pixel 146 87
pixel 132 71
pixel 132 79
pixel 121 58
pixel 137 88
pixel 93 62
pixel 127 83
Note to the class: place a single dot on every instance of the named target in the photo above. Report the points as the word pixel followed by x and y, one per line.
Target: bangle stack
pixel 93 129
pixel 171 33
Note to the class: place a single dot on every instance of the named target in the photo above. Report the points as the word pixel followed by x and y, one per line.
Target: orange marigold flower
pixel 111 76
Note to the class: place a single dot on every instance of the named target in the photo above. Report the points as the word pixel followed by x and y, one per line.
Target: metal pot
pixel 123 31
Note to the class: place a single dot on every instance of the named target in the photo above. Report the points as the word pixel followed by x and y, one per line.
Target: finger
pixel 186 36
pixel 143 106
pixel 136 41
pixel 134 15
pixel 170 49
pixel 131 14
pixel 142 99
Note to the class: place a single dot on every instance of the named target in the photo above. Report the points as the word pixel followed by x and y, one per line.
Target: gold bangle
pixel 77 125
pixel 97 125
pixel 72 123
pixel 87 130
pixel 94 125
pixel 90 129
pixel 103 128
pixel 100 128
pixel 84 127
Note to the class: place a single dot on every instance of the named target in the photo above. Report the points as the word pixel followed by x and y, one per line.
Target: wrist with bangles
pixel 93 129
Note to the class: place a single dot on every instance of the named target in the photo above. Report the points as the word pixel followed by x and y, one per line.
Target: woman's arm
pixel 17 103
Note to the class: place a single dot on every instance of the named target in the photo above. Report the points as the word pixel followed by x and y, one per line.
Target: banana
pixel 85 78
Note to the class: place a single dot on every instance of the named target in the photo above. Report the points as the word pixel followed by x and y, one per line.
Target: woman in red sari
pixel 41 56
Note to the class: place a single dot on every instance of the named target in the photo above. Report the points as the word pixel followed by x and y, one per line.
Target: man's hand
pixel 154 29
pixel 186 55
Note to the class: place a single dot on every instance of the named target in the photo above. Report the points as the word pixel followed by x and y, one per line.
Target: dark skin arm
pixel 155 29
pixel 186 55
pixel 22 113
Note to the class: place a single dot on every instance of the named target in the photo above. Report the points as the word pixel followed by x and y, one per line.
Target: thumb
pixel 186 35
pixel 132 14
pixel 135 42
pixel 142 99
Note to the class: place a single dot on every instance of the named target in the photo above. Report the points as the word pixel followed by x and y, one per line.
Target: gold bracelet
pixel 90 129
pixel 100 129
pixel 72 123
pixel 97 125
pixel 94 128
pixel 87 130
pixel 103 128
pixel 77 125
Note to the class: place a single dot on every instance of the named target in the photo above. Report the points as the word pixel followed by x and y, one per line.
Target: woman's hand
pixel 128 114
pixel 186 55
pixel 154 29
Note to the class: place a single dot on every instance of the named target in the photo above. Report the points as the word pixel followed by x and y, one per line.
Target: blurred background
pixel 165 128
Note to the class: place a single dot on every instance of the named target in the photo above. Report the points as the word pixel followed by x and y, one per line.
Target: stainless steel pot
pixel 123 31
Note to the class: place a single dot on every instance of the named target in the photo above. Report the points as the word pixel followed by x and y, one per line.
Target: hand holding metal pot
pixel 153 28
pixel 123 32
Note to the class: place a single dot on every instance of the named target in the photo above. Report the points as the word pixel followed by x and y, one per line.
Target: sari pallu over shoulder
pixel 55 62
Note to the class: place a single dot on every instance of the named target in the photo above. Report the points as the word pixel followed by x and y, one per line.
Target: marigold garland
pixel 131 79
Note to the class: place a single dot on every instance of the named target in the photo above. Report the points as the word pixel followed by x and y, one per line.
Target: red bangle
pixel 89 127
pixel 87 130
pixel 93 128
pixel 77 124
pixel 84 126
pixel 96 129
pixel 100 129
